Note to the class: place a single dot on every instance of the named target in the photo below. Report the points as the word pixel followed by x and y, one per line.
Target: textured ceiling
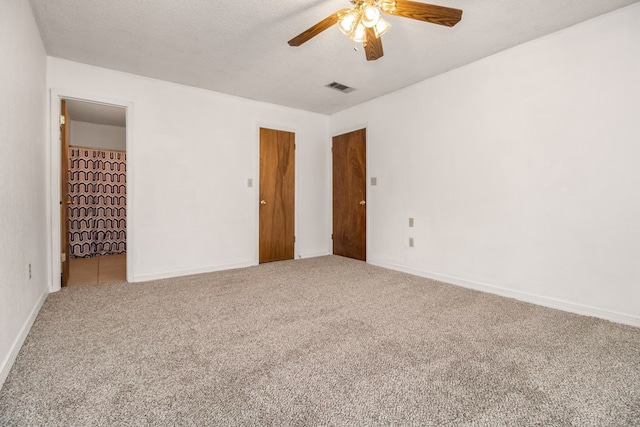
pixel 240 47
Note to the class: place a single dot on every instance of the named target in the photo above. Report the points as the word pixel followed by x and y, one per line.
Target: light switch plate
pixel 374 180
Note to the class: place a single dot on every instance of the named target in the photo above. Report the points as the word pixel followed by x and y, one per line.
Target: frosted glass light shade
pixel 358 33
pixel 387 5
pixel 381 27
pixel 347 21
pixel 370 16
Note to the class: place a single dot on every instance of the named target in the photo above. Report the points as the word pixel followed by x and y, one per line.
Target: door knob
pixel 262 202
pixel 362 203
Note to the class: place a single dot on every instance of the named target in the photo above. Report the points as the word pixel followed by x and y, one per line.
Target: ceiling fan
pixel 364 23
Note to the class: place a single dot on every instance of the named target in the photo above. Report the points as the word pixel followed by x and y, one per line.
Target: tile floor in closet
pixel 98 269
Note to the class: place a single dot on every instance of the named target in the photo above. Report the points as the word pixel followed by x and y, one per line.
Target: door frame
pixel 54 165
pixel 256 187
pixel 368 193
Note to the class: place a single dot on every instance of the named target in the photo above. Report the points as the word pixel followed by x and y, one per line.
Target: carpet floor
pixel 320 341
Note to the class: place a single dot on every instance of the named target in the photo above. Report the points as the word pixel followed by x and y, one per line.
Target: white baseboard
pixel 189 272
pixel 313 254
pixel 7 363
pixel 571 307
pixel 211 269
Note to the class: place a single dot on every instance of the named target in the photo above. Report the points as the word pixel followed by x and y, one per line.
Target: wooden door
pixel 277 184
pixel 64 193
pixel 350 195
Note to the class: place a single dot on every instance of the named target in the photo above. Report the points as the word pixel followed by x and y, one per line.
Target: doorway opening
pixel 94 192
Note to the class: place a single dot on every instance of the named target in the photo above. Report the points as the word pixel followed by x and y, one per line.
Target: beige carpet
pixel 324 341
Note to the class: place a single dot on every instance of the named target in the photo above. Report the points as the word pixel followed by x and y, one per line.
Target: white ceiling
pixel 240 47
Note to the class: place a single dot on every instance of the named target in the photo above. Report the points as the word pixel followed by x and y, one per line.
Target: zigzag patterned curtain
pixel 97 191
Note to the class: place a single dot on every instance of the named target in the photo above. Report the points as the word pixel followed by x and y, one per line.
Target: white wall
pixel 22 178
pixel 95 135
pixel 522 171
pixel 191 152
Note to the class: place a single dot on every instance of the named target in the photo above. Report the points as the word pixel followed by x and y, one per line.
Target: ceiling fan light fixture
pixel 363 22
pixel 370 15
pixel 381 27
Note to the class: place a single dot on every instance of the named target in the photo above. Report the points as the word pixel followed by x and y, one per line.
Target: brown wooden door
pixel 64 193
pixel 277 184
pixel 349 195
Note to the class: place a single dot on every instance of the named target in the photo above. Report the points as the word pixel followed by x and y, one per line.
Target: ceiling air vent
pixel 340 87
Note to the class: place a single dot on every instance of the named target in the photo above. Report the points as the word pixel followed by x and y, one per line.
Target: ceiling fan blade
pixel 427 12
pixel 314 31
pixel 372 45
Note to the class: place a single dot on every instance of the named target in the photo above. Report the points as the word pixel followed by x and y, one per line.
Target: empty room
pixel 320 212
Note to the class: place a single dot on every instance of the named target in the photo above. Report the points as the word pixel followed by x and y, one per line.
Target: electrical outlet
pixel 29 270
pixel 410 222
pixel 410 242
